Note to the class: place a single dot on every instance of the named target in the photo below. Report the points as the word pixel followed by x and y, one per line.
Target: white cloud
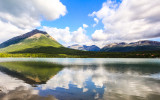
pixel 99 35
pixel 73 37
pixel 97 21
pixel 50 9
pixel 79 36
pixel 67 36
pixel 59 34
pixel 9 30
pixel 130 20
pixel 24 12
pixel 85 25
pixel 27 14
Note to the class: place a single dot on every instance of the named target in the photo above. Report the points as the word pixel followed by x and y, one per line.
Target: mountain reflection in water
pixel 77 79
pixel 30 71
pixel 14 89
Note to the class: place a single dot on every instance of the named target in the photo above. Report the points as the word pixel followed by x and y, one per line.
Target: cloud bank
pixel 20 16
pixel 129 20
pixel 69 37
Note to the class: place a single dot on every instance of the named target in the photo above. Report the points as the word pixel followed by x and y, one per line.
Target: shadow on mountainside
pixel 52 50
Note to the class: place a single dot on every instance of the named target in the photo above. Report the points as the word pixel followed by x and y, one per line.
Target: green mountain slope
pixel 35 40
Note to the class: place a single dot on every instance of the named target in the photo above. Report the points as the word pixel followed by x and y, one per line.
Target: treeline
pixel 86 54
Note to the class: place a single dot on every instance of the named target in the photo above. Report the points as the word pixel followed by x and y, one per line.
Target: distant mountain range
pixel 40 44
pixel 145 45
pixel 85 48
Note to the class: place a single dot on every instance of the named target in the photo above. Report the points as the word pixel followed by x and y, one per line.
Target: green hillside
pixel 41 40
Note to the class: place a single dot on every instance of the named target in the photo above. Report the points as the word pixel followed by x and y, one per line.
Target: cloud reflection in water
pixel 100 83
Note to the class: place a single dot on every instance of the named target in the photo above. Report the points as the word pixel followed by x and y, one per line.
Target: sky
pixel 84 22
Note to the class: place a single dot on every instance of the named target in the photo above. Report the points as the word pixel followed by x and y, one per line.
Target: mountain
pixel 40 44
pixel 84 47
pixel 35 38
pixel 145 45
pixel 37 44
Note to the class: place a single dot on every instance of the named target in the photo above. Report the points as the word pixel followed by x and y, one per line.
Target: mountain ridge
pixel 145 45
pixel 40 44
pixel 20 37
pixel 84 47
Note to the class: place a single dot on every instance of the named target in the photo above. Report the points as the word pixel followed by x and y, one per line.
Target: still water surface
pixel 79 79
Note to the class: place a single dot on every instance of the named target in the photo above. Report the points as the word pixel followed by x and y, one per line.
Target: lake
pixel 79 79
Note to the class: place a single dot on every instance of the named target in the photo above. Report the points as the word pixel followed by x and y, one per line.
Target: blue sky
pixel 77 15
pixel 89 22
